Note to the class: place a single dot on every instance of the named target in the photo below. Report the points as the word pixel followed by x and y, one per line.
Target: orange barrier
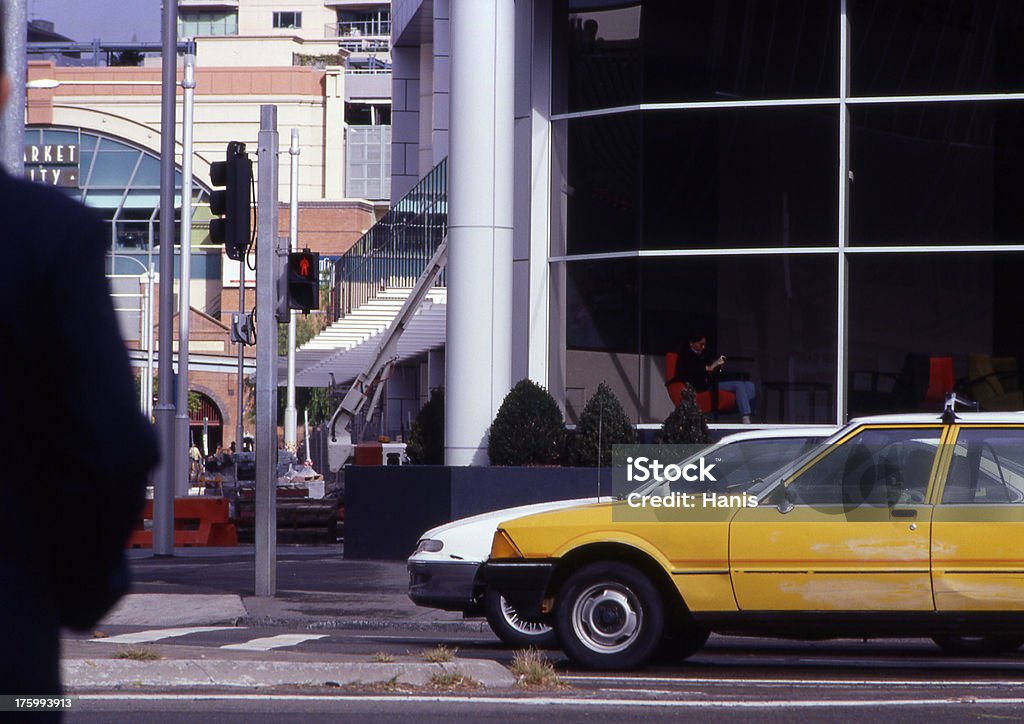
pixel 198 522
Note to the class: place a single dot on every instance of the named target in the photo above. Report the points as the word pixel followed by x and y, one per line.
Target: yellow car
pixel 898 526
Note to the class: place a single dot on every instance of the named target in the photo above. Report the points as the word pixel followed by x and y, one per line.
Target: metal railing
pixel 378 28
pixel 395 251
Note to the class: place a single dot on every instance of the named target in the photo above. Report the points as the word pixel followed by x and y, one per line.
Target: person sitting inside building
pixel 696 366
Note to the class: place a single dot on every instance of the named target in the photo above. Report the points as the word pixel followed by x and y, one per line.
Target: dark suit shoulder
pixel 45 218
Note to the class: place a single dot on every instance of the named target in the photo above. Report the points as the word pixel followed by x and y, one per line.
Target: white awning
pixel 347 347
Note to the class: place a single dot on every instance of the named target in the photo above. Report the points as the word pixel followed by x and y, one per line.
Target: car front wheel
pixel 511 628
pixel 609 616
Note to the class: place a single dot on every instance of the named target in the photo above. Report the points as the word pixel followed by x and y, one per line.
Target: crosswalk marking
pixel 274 642
pixel 141 637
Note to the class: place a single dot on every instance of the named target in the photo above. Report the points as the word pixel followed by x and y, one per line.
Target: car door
pixel 978 528
pixel 849 531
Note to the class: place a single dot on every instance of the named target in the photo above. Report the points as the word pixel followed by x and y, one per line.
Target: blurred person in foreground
pixel 66 398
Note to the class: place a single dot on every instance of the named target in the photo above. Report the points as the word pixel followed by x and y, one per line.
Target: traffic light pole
pixel 163 479
pixel 290 413
pixel 182 459
pixel 267 266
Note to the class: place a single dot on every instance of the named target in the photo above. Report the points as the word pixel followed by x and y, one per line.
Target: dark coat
pixel 692 368
pixel 77 451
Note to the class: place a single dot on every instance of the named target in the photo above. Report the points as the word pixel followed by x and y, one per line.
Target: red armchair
pixel 712 399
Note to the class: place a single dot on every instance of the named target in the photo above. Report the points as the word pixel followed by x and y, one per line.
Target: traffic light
pixel 303 280
pixel 233 202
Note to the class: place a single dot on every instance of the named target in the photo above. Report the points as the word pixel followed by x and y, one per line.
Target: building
pixel 827 189
pixel 94 129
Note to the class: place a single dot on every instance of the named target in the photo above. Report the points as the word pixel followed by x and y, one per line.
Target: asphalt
pixel 360 595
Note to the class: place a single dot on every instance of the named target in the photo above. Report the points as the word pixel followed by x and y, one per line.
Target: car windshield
pixel 737 465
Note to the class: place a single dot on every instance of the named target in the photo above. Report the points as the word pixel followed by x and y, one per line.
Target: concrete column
pixel 480 201
pixel 334 134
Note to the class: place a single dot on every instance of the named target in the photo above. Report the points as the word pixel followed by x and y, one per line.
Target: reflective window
pixel 603 184
pixel 919 47
pixel 773 316
pixel 749 177
pixel 936 173
pixel 922 325
pixel 610 54
pixel 740 49
pixel 596 59
pixel 877 467
pixel 987 468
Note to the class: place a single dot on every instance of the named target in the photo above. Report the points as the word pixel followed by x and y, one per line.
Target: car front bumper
pixel 522 583
pixel 448 586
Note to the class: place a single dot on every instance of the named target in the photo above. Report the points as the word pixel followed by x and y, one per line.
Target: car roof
pixel 771 433
pixel 965 418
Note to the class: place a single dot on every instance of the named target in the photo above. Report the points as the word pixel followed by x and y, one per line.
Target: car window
pixel 876 467
pixel 987 467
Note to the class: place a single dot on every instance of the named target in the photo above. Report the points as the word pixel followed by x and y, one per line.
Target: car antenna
pixel 949 411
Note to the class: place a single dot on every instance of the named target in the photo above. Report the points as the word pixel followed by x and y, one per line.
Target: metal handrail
pixel 395 251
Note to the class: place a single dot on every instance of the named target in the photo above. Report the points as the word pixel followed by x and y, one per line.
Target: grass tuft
pixel 439 654
pixel 451 680
pixel 133 654
pixel 533 670
pixel 383 657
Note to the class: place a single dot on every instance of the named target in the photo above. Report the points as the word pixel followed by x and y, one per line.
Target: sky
pixel 113 20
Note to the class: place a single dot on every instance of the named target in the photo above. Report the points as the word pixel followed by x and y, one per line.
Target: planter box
pixel 388 507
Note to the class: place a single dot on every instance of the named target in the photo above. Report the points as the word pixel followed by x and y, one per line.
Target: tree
pixel 528 429
pixel 686 425
pixel 602 423
pixel 426 440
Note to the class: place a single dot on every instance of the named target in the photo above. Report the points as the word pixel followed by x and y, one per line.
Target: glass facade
pixel 194 24
pixel 851 252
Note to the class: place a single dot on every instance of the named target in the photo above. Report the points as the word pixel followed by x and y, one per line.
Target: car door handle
pixel 903 513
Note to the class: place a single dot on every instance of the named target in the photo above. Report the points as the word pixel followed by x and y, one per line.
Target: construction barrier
pixel 198 522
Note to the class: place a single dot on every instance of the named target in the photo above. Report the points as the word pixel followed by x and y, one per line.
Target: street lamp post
pixel 146 324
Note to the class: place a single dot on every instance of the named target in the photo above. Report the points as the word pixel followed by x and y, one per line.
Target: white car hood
pixel 469 539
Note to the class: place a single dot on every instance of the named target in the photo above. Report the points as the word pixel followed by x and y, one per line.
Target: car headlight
pixel 428 545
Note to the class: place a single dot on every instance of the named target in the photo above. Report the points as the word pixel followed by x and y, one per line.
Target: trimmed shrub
pixel 602 423
pixel 528 429
pixel 426 439
pixel 686 425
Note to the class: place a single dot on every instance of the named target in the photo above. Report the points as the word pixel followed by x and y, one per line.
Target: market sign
pixel 54 164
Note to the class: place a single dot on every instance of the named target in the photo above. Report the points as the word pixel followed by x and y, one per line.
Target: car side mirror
pixel 788 501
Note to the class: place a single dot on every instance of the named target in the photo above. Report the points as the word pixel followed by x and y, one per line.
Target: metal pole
pixel 239 427
pixel 181 444
pixel 12 120
pixel 266 355
pixel 163 482
pixel 290 415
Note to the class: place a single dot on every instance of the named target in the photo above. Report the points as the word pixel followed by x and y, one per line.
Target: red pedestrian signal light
pixel 303 280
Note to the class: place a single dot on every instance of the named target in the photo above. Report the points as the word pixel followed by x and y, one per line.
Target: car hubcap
pixel 530 628
pixel 607 618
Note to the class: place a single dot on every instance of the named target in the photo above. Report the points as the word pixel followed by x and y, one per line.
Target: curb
pixel 89 674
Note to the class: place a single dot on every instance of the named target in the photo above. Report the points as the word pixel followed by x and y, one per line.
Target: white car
pixel 443 570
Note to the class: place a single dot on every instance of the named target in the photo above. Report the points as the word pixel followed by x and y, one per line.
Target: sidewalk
pixel 317 590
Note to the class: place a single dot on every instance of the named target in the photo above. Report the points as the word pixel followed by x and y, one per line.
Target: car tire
pixel 609 616
pixel 513 630
pixel 978 645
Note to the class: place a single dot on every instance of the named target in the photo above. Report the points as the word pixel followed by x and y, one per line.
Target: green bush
pixel 602 423
pixel 426 439
pixel 686 425
pixel 528 429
